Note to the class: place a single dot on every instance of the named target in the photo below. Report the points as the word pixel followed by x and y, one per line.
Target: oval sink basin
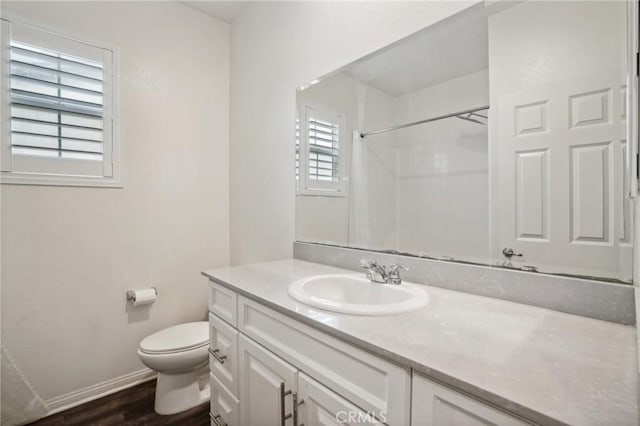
pixel 355 294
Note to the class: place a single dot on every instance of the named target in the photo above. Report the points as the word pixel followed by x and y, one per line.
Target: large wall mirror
pixel 497 137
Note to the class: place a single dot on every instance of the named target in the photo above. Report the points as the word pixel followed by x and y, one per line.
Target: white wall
pixel 326 219
pixel 322 218
pixel 381 173
pixel 277 46
pixel 70 254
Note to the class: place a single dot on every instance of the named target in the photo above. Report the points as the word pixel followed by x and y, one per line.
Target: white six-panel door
pixel 561 175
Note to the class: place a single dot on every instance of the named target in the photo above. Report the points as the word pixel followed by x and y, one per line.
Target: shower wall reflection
pixel 422 183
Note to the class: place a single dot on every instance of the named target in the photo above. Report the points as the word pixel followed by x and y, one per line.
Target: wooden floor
pixel 130 407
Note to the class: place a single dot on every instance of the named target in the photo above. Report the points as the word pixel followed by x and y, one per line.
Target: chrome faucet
pixel 379 274
pixel 393 276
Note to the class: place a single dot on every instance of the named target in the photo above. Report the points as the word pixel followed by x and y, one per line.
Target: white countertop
pixel 546 366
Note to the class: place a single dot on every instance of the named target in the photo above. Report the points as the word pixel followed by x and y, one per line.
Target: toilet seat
pixel 179 338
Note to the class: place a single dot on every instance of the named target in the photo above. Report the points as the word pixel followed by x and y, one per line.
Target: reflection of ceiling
pixel 437 54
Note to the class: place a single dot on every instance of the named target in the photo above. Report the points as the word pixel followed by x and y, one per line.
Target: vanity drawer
pixel 225 408
pixel 223 342
pixel 373 384
pixel 223 302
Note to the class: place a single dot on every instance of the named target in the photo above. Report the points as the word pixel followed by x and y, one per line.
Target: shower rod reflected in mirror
pixel 463 115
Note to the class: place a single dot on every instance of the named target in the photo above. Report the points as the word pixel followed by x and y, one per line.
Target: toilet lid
pixel 177 338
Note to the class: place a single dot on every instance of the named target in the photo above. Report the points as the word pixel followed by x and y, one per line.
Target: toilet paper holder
pixel 131 294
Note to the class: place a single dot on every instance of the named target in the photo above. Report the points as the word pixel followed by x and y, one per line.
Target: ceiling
pixel 224 10
pixel 435 55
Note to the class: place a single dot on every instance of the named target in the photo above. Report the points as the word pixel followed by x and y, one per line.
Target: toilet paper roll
pixel 144 297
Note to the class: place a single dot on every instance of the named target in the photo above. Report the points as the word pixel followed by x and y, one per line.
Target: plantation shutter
pixel 59 108
pixel 319 152
pixel 324 149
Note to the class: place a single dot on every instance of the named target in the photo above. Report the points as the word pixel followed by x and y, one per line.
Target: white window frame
pixel 312 187
pixel 41 171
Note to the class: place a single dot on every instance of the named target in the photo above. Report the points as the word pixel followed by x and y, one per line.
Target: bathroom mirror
pixel 497 137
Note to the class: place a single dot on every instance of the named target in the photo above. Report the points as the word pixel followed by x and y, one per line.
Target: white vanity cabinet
pixel 436 405
pixel 269 369
pixel 261 361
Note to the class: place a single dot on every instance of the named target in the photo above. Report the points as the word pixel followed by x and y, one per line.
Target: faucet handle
pixel 394 268
pixel 394 273
pixel 368 263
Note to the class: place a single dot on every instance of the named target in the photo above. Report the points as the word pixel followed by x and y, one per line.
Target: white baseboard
pixel 81 396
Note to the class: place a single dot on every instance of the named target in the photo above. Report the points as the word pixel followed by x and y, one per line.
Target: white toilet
pixel 177 353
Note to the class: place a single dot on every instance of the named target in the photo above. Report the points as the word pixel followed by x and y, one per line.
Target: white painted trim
pixel 17 178
pixel 99 390
pixel 632 97
pixel 44 26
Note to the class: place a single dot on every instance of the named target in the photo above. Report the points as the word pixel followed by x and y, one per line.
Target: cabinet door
pixel 224 406
pixel 320 406
pixel 437 405
pixel 262 375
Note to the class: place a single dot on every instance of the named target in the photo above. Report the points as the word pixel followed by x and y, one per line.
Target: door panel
pixel 320 406
pixel 261 374
pixel 437 405
pixel 532 194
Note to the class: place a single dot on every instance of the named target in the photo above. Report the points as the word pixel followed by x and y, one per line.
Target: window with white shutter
pixel 57 110
pixel 319 154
